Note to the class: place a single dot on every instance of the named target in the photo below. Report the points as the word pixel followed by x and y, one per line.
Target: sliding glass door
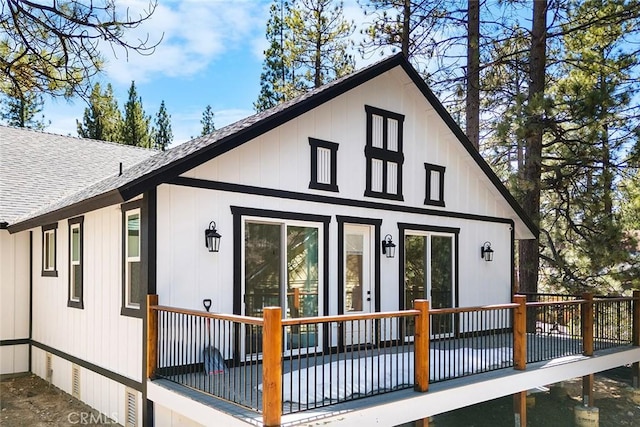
pixel 429 273
pixel 282 268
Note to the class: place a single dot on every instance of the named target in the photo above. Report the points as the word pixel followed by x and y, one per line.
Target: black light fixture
pixel 388 247
pixel 486 252
pixel 212 237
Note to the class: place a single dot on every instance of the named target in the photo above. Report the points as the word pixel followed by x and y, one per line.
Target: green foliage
pixel 207 121
pixel 52 47
pixel 162 136
pixel 102 119
pixel 135 127
pixel 308 47
pixel 20 109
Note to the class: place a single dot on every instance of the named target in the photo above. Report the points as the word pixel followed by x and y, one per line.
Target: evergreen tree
pixel 135 127
pixel 102 119
pixel 162 134
pixel 274 75
pixel 317 48
pixel 207 121
pixel 22 108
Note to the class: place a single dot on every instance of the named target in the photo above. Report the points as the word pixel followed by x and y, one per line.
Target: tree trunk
pixel 406 27
pixel 472 109
pixel 529 256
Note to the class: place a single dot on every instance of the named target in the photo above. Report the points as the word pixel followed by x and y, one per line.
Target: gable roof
pixel 165 166
pixel 37 168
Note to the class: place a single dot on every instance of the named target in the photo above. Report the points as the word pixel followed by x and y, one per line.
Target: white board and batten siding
pixel 14 301
pixel 280 160
pixel 97 334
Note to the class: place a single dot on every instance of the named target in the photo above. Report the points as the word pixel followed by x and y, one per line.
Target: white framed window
pixel 49 235
pixel 133 267
pixel 75 262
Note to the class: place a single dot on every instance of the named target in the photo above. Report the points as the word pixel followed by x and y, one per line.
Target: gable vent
pixel 48 367
pixel 131 408
pixel 75 381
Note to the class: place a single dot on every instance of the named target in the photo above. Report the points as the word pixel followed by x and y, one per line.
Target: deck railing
pixel 293 365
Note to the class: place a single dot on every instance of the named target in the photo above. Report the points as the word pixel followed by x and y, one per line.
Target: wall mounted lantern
pixel 486 252
pixel 388 247
pixel 212 237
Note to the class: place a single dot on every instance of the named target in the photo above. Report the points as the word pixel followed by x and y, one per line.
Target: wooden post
pixel 152 336
pixel 421 344
pixel 424 422
pixel 520 334
pixel 587 391
pixel 520 408
pixel 272 366
pixel 635 367
pixel 587 324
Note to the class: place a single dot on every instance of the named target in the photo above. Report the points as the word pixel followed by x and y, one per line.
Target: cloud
pixel 194 33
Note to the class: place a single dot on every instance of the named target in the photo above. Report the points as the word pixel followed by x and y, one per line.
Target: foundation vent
pixel 75 381
pixel 48 367
pixel 131 408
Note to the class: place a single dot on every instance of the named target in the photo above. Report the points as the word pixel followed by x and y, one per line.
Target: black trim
pixel 126 381
pixel 150 207
pixel 15 341
pixel 4 225
pixel 512 228
pixel 30 294
pixel 429 198
pixel 377 223
pixel 332 200
pixel 125 207
pixel 402 228
pixel 383 154
pixel 333 147
pixel 54 272
pixel 70 302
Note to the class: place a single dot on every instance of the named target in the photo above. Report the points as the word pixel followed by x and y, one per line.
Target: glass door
pixel 429 274
pixel 282 268
pixel 358 286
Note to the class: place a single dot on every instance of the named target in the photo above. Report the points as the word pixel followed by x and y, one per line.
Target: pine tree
pixel 22 108
pixel 318 46
pixel 162 134
pixel 102 119
pixel 207 121
pixel 274 75
pixel 135 127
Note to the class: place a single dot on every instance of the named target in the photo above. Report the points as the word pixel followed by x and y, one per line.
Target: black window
pixel 434 194
pixel 384 153
pixel 323 165
pixel 75 262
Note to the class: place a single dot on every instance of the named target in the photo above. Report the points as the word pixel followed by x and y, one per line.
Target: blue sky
pixel 211 54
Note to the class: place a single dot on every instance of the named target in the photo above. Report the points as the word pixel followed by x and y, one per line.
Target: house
pixel 353 200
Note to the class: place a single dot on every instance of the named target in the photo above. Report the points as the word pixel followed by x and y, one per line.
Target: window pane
pixel 415 269
pixel 441 271
pixel 434 191
pixel 262 267
pixel 134 273
pixel 354 247
pixel 76 281
pixel 324 166
pixel 376 175
pixel 49 250
pixel 133 235
pixel 376 131
pixel 392 135
pixel 75 243
pixel 392 178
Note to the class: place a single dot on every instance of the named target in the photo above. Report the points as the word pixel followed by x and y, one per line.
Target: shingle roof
pixel 64 165
pixel 166 166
